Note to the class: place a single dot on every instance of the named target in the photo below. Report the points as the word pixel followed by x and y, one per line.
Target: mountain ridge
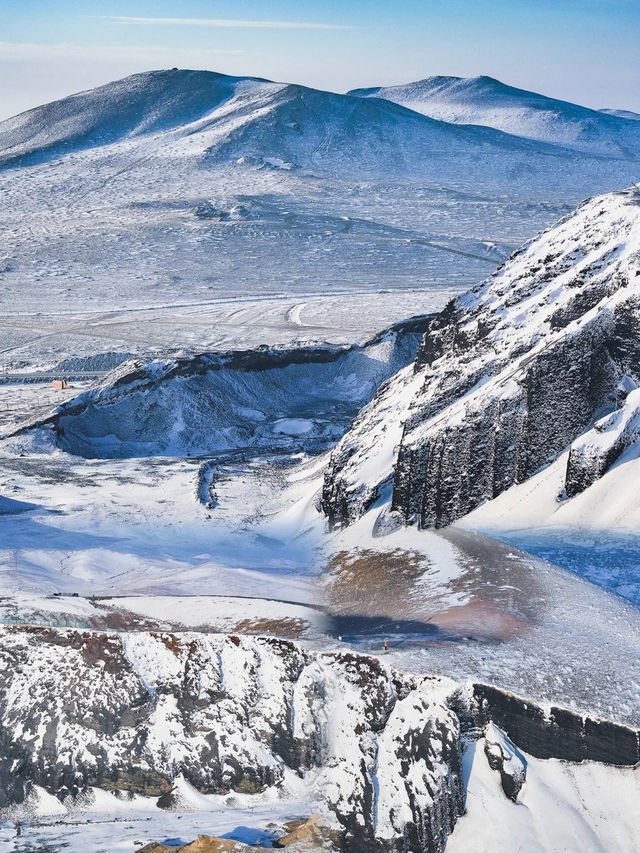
pixel 189 102
pixel 489 102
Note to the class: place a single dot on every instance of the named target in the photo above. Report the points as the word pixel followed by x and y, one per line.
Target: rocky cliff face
pixel 379 750
pixel 508 376
pixel 130 713
pixel 553 732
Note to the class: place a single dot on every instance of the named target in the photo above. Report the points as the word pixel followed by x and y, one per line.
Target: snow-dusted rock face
pixel 508 375
pixel 593 453
pixel 131 713
pixel 504 757
pixel 378 750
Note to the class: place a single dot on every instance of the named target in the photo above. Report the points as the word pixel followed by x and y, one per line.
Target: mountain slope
pixel 488 102
pixel 627 114
pixel 508 376
pixel 143 103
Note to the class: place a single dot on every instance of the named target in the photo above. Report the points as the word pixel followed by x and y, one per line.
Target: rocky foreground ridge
pixel 541 358
pixel 379 750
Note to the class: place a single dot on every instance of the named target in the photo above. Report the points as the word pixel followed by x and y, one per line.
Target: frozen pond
pixel 610 559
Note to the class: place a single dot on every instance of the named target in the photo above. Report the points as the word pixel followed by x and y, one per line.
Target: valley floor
pixel 164 555
pixel 126 544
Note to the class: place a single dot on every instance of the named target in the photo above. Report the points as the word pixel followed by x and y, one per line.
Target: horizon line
pixel 226 23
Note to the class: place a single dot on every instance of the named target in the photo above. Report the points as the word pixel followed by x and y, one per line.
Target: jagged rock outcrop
pixel 131 713
pixel 507 377
pixel 593 453
pixel 505 758
pixel 380 750
pixel 305 836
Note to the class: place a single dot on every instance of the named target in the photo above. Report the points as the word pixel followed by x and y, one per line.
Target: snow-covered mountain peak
pixel 630 115
pixel 486 101
pixel 150 102
pixel 471 86
pixel 186 113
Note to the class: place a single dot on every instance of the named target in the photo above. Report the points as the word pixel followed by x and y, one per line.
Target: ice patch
pixel 293 426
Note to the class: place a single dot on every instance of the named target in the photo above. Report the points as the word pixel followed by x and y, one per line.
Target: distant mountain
pixel 628 114
pixel 177 185
pixel 486 101
pixel 179 115
pixel 202 112
pixel 141 104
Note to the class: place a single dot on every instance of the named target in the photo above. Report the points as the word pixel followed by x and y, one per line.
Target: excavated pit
pixel 266 399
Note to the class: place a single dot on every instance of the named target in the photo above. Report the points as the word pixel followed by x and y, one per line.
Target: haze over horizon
pixel 585 52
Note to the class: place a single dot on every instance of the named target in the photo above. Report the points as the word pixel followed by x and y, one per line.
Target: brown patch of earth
pixel 202 844
pixel 305 836
pixel 289 628
pixel 494 596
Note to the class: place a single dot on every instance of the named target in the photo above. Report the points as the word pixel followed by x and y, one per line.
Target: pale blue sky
pixel 581 50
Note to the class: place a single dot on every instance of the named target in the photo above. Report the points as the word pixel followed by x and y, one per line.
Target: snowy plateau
pixel 327 537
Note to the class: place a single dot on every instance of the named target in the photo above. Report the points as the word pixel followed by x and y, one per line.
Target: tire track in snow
pixel 294 314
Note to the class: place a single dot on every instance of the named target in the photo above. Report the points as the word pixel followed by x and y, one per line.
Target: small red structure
pixel 59 384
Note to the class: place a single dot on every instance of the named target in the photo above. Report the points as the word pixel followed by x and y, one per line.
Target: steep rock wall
pixel 130 713
pixel 380 750
pixel 507 376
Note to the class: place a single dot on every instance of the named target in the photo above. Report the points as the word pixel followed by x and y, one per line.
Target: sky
pixel 585 51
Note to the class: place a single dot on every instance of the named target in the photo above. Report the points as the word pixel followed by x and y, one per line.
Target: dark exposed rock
pixel 558 733
pixel 582 302
pixel 503 757
pixel 506 378
pixel 455 466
